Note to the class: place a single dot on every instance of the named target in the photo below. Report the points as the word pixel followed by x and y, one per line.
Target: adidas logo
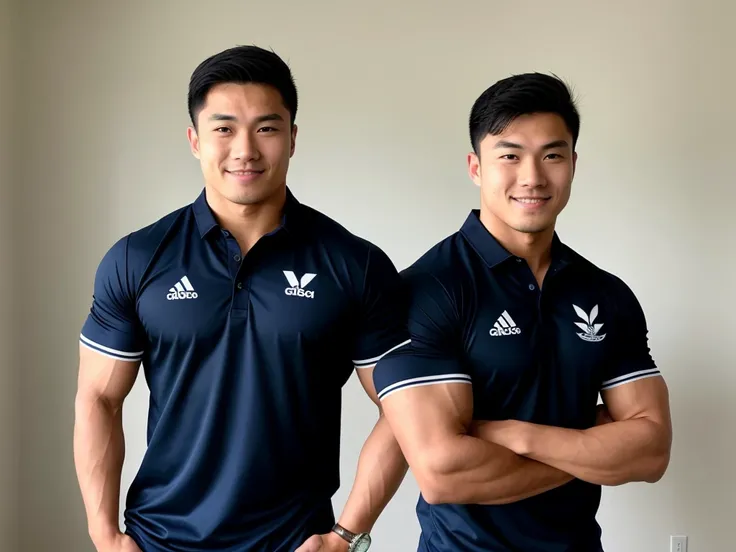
pixel 505 325
pixel 297 287
pixel 590 330
pixel 182 290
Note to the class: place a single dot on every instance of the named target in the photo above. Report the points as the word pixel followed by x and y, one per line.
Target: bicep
pixel 105 378
pixel 424 389
pixel 644 398
pixel 425 416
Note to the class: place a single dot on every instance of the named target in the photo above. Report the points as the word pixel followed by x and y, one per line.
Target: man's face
pixel 244 140
pixel 525 173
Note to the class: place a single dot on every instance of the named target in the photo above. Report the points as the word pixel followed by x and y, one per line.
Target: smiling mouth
pixel 531 200
pixel 245 173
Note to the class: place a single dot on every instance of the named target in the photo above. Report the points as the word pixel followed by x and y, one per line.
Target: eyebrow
pixel 233 118
pixel 505 144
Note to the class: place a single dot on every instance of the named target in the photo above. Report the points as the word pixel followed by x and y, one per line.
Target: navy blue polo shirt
pixel 477 316
pixel 245 358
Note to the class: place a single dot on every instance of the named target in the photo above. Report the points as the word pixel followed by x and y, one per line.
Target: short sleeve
pixel 382 317
pixel 632 359
pixel 434 355
pixel 112 327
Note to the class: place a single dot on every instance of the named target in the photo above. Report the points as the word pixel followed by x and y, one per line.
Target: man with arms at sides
pixel 511 326
pixel 248 312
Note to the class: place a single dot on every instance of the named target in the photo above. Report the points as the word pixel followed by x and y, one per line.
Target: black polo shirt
pixel 245 359
pixel 477 316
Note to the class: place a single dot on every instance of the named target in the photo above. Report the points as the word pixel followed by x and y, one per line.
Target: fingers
pixel 312 544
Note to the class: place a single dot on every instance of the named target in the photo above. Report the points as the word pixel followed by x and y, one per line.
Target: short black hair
pixel 242 65
pixel 524 94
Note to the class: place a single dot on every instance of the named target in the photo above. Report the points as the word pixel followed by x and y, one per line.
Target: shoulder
pixel 440 268
pixel 618 292
pixel 329 233
pixel 144 242
pixel 132 253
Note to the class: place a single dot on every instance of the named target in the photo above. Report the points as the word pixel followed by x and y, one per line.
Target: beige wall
pixel 9 449
pixel 385 92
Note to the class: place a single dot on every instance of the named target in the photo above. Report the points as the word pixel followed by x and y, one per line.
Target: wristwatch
pixel 359 542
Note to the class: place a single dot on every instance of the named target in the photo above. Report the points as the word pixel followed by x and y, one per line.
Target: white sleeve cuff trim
pixel 632 377
pixel 124 355
pixel 425 380
pixel 108 355
pixel 383 396
pixel 370 362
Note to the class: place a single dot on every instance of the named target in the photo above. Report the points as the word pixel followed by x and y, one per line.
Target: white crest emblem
pixel 590 329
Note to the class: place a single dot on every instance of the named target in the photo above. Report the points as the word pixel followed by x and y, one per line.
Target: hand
pixel 331 542
pixel 119 543
pixel 602 415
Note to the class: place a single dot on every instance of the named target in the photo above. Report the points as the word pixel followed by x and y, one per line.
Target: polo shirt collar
pixel 206 219
pixel 493 253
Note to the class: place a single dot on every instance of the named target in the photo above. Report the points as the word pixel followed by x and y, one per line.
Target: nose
pixel 531 174
pixel 245 147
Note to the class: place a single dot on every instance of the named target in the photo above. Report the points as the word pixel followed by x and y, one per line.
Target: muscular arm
pixel 99 447
pixel 431 424
pixel 381 469
pixel 635 447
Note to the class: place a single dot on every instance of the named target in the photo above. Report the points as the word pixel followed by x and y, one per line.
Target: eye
pixel 222 130
pixel 554 156
pixel 510 157
pixel 267 129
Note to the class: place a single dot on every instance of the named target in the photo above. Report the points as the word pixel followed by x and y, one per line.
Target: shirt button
pixel 532 287
pixel 225 233
pixel 518 260
pixel 236 258
pixel 239 285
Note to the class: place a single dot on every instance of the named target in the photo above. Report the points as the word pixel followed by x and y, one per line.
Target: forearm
pixel 471 470
pixel 610 454
pixel 99 449
pixel 381 469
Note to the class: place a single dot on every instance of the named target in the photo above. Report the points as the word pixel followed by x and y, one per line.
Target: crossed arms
pixel 461 462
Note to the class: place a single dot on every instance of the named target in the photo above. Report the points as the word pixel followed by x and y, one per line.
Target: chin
pixel 246 198
pixel 531 228
pixel 249 194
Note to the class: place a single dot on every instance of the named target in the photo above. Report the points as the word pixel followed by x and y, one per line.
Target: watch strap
pixel 346 535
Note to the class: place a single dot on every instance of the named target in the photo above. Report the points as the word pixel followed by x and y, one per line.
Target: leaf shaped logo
pixel 581 313
pixel 590 330
pixel 593 314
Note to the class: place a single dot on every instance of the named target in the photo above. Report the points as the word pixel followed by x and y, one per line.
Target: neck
pixel 247 223
pixel 535 248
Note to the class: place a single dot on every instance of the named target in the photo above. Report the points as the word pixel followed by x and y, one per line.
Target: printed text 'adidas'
pixel 505 325
pixel 182 290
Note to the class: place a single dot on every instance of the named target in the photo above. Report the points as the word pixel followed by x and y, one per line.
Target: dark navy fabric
pixel 477 316
pixel 245 359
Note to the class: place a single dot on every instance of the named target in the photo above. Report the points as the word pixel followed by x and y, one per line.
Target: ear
pixel 474 168
pixel 294 130
pixel 574 162
pixel 193 141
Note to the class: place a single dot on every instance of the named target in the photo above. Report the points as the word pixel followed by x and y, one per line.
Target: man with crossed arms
pixel 511 326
